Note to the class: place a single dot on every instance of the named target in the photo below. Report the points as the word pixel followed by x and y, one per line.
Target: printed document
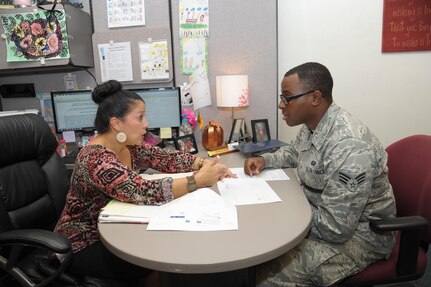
pixel 239 191
pixel 266 174
pixel 201 210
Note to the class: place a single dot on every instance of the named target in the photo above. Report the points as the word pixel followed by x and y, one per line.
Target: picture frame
pixel 238 131
pixel 186 143
pixel 260 130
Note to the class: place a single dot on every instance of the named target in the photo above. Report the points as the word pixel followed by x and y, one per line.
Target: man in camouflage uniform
pixel 342 168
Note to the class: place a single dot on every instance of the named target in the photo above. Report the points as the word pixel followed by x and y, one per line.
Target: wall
pixel 242 40
pixel 390 92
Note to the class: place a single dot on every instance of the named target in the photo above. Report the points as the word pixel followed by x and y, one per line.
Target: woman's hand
pixel 211 172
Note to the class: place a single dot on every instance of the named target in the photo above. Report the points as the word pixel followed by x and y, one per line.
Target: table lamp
pixel 232 91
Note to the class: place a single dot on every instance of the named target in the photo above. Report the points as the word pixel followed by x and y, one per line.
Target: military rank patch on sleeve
pixel 351 182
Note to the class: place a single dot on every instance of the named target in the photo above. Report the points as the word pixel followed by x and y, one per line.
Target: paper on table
pixel 247 191
pixel 202 210
pixel 266 174
pixel 121 212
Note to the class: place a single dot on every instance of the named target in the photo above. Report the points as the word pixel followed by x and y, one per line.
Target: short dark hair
pixel 113 101
pixel 314 76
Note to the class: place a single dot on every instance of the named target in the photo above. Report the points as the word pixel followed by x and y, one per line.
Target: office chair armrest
pixel 36 238
pixel 406 223
pixel 411 229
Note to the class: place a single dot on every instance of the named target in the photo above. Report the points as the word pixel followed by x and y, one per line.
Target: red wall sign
pixel 406 25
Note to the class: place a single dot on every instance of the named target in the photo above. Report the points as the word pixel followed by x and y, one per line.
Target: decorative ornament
pixel 190 116
pixel 121 137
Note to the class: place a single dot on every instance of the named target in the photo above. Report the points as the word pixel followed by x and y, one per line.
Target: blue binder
pixel 260 146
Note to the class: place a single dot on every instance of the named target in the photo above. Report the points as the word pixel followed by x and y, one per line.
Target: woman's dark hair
pixel 113 101
pixel 314 76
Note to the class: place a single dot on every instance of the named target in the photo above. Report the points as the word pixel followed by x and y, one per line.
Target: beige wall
pixel 390 92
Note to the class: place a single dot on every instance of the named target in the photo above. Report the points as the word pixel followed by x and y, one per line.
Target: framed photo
pixel 260 129
pixel 186 143
pixel 238 131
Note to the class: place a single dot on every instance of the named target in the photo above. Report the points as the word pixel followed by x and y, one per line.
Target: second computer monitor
pixel 73 111
pixel 163 106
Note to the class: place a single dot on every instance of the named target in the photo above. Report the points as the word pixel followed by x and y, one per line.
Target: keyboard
pixel 70 157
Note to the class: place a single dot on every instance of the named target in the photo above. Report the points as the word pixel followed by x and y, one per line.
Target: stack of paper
pixel 202 210
pixel 121 212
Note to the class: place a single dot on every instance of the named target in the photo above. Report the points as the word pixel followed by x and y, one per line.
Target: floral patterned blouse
pixel 99 176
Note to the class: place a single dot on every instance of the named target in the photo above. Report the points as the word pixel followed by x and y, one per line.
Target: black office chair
pixel 409 163
pixel 33 188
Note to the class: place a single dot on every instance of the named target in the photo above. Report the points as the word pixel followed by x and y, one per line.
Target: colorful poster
pixel 194 18
pixel 193 55
pixel 35 36
pixel 154 60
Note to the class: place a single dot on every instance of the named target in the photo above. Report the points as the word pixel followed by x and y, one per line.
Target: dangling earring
pixel 121 137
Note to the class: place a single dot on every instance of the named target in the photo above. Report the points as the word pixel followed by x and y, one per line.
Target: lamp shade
pixel 232 90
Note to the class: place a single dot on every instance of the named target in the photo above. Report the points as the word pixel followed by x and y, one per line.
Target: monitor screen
pixel 73 111
pixel 163 106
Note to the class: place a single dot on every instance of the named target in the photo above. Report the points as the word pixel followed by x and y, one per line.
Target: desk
pixel 265 232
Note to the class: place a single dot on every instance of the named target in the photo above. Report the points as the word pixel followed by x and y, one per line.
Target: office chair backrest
pixel 409 163
pixel 33 178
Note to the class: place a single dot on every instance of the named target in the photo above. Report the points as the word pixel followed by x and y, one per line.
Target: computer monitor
pixel 73 111
pixel 163 106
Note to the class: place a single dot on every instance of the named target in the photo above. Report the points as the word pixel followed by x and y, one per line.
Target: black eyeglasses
pixel 287 99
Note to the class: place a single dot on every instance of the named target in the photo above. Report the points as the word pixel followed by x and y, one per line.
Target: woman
pixel 108 168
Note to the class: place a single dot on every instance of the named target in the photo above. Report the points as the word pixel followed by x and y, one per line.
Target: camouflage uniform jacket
pixel 342 167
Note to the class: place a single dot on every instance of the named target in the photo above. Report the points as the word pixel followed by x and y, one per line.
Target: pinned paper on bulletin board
pixel 125 13
pixel 115 61
pixel 154 61
pixel 194 54
pixel 194 18
pixel 200 88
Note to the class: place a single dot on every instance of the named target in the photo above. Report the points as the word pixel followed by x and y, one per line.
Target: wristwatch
pixel 191 183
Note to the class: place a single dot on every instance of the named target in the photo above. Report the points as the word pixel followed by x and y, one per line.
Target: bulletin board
pixel 136 38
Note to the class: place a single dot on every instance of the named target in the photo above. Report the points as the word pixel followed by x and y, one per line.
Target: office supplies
pixel 221 151
pixel 260 146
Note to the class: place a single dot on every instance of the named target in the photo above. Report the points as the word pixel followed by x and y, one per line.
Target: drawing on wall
pixel 194 18
pixel 193 54
pixel 124 13
pixel 35 36
pixel 154 60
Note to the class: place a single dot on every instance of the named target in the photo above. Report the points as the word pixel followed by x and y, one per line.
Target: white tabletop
pixel 265 232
